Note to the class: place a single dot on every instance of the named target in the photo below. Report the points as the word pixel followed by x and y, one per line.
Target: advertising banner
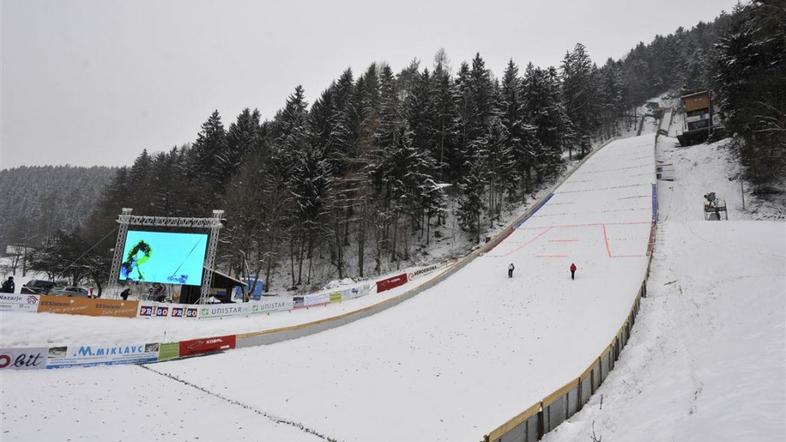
pixel 168 351
pixel 185 311
pixel 161 311
pixel 18 303
pixel 273 304
pixel 206 345
pixel 207 311
pixel 151 309
pixel 335 297
pixel 299 301
pixel 357 291
pixel 392 282
pixel 268 304
pixel 89 355
pixel 22 358
pixel 316 299
pixel 87 306
pixel 420 272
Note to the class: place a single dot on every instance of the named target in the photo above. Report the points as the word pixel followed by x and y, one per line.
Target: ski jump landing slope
pixel 450 364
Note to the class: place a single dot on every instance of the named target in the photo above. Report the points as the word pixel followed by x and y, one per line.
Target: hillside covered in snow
pixel 707 358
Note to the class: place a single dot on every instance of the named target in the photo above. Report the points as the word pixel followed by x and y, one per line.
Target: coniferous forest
pixel 360 175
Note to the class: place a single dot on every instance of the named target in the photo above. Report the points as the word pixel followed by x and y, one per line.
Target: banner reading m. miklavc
pixel 88 355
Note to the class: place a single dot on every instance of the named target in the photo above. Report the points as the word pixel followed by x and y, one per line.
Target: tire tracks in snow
pixel 263 413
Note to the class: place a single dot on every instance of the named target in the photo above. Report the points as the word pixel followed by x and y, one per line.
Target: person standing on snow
pixel 8 285
pixel 572 271
pixel 510 270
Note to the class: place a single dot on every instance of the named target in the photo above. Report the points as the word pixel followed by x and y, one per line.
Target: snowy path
pixel 455 361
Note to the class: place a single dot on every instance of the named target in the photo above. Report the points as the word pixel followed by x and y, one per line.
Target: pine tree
pixel 290 133
pixel 242 137
pixel 519 140
pixel 444 122
pixel 609 95
pixel 751 83
pixel 578 87
pixel 205 164
pixel 311 188
pixel 471 201
pixel 543 109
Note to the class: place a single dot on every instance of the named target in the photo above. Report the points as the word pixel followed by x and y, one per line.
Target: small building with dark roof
pixel 221 288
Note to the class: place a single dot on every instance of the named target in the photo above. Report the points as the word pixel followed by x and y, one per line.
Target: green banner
pixel 169 351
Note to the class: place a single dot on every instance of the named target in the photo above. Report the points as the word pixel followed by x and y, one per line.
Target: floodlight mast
pixel 126 219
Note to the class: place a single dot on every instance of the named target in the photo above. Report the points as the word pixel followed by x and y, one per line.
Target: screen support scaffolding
pixel 126 219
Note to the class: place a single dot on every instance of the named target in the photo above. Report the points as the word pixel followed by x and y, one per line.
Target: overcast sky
pixel 93 82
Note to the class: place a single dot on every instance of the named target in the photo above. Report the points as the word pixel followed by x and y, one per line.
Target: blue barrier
pixel 535 208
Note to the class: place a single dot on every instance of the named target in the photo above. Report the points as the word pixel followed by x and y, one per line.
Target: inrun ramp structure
pixel 450 364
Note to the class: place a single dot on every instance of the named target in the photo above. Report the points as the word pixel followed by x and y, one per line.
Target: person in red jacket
pixel 572 271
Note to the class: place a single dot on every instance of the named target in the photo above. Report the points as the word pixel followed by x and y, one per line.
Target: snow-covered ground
pixel 25 329
pixel 707 357
pixel 449 364
pixel 127 404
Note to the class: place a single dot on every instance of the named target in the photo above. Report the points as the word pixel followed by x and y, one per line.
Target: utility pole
pixel 742 194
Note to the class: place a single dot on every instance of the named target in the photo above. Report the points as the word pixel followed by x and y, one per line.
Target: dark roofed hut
pixel 221 288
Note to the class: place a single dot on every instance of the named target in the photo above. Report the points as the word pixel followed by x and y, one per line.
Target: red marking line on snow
pixel 525 243
pixel 557 226
pixel 606 240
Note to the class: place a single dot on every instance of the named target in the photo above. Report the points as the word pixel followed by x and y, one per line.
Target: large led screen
pixel 164 257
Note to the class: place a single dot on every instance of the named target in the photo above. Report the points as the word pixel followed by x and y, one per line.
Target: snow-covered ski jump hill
pixel 449 364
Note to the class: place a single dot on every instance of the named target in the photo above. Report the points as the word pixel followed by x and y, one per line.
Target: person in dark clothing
pixel 572 271
pixel 124 294
pixel 157 292
pixel 8 285
pixel 510 270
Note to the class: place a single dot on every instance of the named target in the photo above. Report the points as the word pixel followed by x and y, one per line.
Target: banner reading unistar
pixel 266 305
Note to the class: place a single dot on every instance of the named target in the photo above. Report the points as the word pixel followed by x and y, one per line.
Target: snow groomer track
pixel 453 363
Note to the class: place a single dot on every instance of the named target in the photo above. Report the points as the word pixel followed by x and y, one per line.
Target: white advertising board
pixel 22 358
pixel 18 303
pixel 265 305
pixel 273 304
pixel 87 355
pixel 414 274
pixel 316 299
pixel 150 309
